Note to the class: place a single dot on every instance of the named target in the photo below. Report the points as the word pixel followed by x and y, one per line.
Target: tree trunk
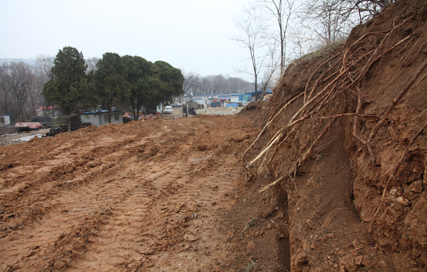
pixel 69 123
pixel 256 87
pixel 109 115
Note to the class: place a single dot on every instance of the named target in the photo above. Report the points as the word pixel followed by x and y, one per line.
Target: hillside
pixel 345 144
pixel 329 175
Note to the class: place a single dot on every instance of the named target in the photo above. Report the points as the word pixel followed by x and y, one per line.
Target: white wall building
pixel 100 118
pixel 4 120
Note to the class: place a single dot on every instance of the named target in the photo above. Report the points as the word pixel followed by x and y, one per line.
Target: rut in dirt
pixel 145 195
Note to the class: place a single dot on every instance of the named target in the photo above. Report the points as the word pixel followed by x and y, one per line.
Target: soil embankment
pixel 345 141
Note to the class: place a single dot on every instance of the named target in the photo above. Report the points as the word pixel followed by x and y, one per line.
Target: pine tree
pixel 68 89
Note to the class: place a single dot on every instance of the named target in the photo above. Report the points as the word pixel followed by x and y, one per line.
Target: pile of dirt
pixel 345 144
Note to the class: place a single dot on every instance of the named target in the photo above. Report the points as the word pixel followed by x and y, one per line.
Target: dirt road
pixel 149 195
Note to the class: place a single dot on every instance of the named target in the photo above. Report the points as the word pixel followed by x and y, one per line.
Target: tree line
pixel 72 84
pixel 20 90
pixel 195 84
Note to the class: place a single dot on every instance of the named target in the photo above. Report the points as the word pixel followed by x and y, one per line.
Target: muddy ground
pixel 155 195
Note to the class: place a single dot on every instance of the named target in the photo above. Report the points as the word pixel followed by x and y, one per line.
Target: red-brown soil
pixel 339 144
pixel 346 137
pixel 146 195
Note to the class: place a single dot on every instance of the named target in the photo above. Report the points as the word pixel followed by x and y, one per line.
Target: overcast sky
pixel 192 35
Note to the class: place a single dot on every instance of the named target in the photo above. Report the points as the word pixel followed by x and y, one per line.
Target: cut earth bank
pixel 338 153
pixel 345 145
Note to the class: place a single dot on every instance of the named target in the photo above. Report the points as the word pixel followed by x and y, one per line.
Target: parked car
pixel 167 110
pixel 176 105
pixel 27 126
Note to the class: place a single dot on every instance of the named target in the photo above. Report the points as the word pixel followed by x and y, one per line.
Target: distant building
pixel 47 112
pixel 100 118
pixel 216 104
pixel 4 120
pixel 209 98
pixel 194 104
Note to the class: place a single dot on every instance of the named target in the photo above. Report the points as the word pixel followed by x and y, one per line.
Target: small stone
pixel 269 226
pixel 309 223
pixel 358 260
pixel 301 258
pixel 382 264
pixel 348 263
pixel 250 245
pixel 59 265
pixel 416 187
pixel 357 245
pixel 402 201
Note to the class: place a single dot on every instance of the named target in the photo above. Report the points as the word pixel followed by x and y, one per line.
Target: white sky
pixel 192 35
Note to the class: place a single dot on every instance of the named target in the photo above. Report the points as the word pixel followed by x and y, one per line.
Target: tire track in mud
pixel 83 201
pixel 46 199
pixel 39 248
pixel 141 202
pixel 57 179
pixel 123 249
pixel 164 212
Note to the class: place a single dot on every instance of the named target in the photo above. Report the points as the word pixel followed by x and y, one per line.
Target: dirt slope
pixel 345 144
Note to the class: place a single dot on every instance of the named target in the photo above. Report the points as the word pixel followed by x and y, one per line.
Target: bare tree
pixel 191 83
pixel 219 84
pixel 20 94
pixel 252 38
pixel 326 20
pixel 270 70
pixel 21 82
pixel 5 95
pixel 365 9
pixel 282 11
pixel 91 64
pixel 44 64
pixel 195 84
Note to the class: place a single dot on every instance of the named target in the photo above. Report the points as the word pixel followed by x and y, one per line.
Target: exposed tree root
pixel 328 91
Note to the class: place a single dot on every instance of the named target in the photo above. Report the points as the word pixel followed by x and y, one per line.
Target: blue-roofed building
pixel 209 98
pixel 100 117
